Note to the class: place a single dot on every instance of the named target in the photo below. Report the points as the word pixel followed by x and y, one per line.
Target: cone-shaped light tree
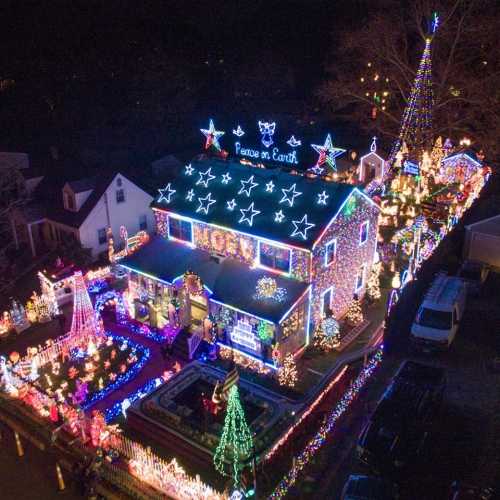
pixel 236 443
pixel 84 321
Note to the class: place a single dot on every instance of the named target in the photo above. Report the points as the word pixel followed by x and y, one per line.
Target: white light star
pixel 301 227
pixel 190 195
pixel 247 214
pixel 212 136
pixel 205 177
pixel 231 204
pixel 270 187
pixel 322 197
pixel 205 203
pixel 290 194
pixel 279 216
pixel 327 153
pixel 166 193
pixel 226 178
pixel 247 186
pixel 189 169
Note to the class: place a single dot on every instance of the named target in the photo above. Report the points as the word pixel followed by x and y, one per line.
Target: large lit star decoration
pixel 190 195
pixel 231 204
pixel 188 169
pixel 279 216
pixel 267 130
pixel 290 194
pixel 322 197
pixel 166 193
pixel 327 154
pixel 247 186
pixel 205 203
pixel 226 178
pixel 212 136
pixel 205 177
pixel 247 214
pixel 301 227
pixel 267 289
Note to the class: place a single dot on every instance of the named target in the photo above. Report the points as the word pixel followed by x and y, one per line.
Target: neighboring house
pixel 84 210
pixel 459 166
pixel 14 160
pixel 224 227
pixel 482 241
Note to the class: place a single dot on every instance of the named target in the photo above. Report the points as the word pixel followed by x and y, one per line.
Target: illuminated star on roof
pixel 247 186
pixel 301 227
pixel 226 178
pixel 327 153
pixel 212 136
pixel 247 214
pixel 189 169
pixel 231 204
pixel 189 195
pixel 166 193
pixel 322 197
pixel 205 203
pixel 290 194
pixel 205 177
pixel 279 216
pixel 270 187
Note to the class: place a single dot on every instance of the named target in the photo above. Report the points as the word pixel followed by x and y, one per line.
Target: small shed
pixel 371 166
pixel 482 241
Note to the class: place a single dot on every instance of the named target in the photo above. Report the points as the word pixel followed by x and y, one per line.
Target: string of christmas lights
pixel 327 428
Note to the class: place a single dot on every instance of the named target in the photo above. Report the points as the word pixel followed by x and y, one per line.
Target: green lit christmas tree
pixel 235 443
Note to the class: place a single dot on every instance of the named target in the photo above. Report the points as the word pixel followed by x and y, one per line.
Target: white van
pixel 438 318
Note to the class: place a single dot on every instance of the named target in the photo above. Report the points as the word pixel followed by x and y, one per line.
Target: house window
pixel 363 233
pixel 360 278
pixel 119 182
pixel 326 302
pixel 120 196
pixel 274 257
pixel 330 252
pixel 70 201
pixel 180 229
pixel 101 236
pixel 143 223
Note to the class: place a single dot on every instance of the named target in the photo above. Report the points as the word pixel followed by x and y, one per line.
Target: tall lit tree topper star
pixel 166 193
pixel 212 136
pixel 189 169
pixel 247 214
pixel 270 187
pixel 231 204
pixel 205 177
pixel 226 178
pixel 301 227
pixel 290 194
pixel 327 153
pixel 205 203
pixel 247 186
pixel 190 195
pixel 322 197
pixel 279 216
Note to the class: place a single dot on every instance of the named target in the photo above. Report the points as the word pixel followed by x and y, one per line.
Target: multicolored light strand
pixel 325 430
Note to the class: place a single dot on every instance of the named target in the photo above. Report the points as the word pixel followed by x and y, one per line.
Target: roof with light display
pixel 263 202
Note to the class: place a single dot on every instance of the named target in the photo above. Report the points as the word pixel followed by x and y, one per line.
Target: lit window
pixel 101 236
pixel 120 196
pixel 274 257
pixel 180 229
pixel 360 278
pixel 143 223
pixel 363 233
pixel 330 252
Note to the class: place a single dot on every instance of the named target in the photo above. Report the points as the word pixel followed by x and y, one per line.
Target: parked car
pixel 474 274
pixel 439 315
pixel 362 487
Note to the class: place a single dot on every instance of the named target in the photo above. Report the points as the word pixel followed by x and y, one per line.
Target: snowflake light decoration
pixel 267 289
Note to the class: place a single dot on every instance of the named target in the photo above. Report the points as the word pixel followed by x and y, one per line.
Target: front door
pixel 199 309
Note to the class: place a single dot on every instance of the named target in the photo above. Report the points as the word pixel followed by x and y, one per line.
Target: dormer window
pixel 69 201
pixel 120 196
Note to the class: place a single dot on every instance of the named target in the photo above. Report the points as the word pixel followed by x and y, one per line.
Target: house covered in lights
pixel 261 253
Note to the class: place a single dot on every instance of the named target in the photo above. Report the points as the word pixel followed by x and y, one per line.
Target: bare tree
pixel 373 68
